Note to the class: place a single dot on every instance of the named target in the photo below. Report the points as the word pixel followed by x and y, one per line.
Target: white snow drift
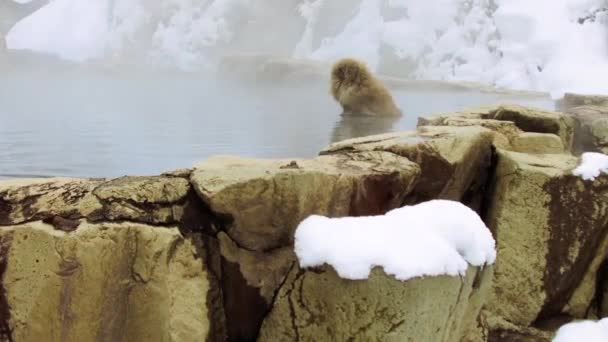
pixel 592 164
pixel 548 45
pixel 438 237
pixel 587 331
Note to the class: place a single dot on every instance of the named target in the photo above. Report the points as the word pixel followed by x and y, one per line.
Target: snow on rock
pixel 588 331
pixel 434 238
pixel 592 164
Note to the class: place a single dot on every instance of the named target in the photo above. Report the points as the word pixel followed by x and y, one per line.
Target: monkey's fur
pixel 359 92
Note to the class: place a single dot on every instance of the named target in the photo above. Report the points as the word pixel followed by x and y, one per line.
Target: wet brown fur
pixel 359 92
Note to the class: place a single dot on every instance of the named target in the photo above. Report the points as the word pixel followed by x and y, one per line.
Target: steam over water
pixel 114 87
pixel 72 120
pixel 546 45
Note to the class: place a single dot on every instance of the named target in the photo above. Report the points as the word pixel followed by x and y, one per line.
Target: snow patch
pixel 434 238
pixel 588 331
pixel 592 164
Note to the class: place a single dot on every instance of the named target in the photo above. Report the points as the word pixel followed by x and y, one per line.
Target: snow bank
pixel 592 164
pixel 547 45
pixel 438 237
pixel 588 331
pixel 71 29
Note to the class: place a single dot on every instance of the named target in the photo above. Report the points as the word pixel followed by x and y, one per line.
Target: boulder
pixel 548 225
pixel 261 202
pixel 102 282
pixel 264 200
pixel 537 143
pixel 515 128
pixel 318 305
pixel 571 100
pixel 591 134
pixel 453 160
pixel 61 201
pixel 589 299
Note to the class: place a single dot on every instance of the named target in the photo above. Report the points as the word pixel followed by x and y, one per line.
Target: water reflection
pixel 353 126
pixel 58 119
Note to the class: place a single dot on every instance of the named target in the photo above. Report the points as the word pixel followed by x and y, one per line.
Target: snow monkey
pixel 358 91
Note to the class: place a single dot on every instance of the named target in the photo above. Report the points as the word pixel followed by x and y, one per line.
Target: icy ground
pixel 547 45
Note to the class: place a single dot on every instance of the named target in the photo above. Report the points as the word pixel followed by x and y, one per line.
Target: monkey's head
pixel 350 71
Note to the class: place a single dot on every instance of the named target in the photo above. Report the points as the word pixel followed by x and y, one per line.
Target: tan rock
pixel 317 305
pixel 547 224
pixel 250 281
pixel 537 143
pixel 143 199
pixel 538 121
pixel 26 200
pixel 585 302
pixel 60 201
pixel 591 134
pixel 103 282
pixel 571 100
pixel 267 199
pixel 453 160
pixel 514 127
pixel 503 131
pixel 265 271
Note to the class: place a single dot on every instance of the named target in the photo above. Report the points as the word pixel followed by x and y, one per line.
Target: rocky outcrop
pixel 266 199
pixel 515 128
pixel 453 160
pixel 206 253
pixel 591 134
pixel 549 225
pixel 314 305
pixel 61 201
pixel 571 100
pixel 261 202
pixel 102 282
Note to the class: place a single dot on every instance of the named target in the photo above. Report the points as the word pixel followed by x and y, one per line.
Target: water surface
pixel 58 119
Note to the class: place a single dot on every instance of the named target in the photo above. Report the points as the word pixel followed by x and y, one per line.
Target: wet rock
pixel 537 143
pixel 591 134
pixel 537 121
pixel 265 200
pixel 36 199
pixel 103 282
pixel 156 200
pixel 571 100
pixel 548 225
pixel 589 299
pixel 317 305
pixel 515 128
pixel 453 160
pixel 250 281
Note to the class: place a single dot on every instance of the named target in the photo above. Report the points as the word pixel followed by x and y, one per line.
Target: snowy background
pixel 547 45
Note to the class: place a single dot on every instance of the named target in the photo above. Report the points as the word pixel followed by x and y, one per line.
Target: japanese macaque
pixel 359 92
